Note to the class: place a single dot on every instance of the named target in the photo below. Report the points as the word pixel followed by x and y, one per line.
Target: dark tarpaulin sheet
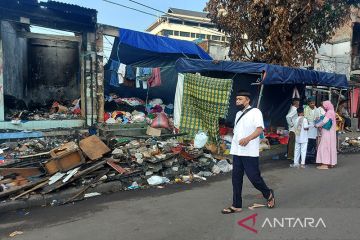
pixel 272 74
pixel 148 50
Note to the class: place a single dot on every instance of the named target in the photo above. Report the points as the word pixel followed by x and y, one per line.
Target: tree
pixel 286 32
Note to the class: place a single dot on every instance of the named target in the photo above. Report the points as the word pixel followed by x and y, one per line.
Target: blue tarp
pixel 272 74
pixel 148 50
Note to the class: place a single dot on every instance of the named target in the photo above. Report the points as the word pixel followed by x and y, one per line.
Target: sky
pixel 122 17
pixel 125 18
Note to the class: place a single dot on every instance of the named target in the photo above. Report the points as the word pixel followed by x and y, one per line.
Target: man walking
pixel 291 118
pixel 248 126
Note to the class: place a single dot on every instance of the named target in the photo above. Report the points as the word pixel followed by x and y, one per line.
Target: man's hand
pixel 243 142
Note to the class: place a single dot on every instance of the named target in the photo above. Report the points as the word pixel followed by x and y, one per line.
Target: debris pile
pixel 128 162
pixel 17 111
pixel 350 145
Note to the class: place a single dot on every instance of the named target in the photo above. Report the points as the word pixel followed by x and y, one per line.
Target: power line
pixel 118 4
pixel 144 5
pixel 141 4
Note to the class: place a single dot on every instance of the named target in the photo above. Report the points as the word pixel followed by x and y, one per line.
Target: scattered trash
pixel 224 166
pixel 13 234
pixel 157 180
pixel 133 186
pixel 200 140
pixel 93 194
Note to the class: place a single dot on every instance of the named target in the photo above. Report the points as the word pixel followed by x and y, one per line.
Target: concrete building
pixel 192 26
pixel 186 25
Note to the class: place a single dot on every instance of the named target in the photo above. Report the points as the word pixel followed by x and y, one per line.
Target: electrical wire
pixel 144 5
pixel 121 5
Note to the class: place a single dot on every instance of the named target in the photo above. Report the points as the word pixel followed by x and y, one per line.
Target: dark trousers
pixel 311 151
pixel 347 122
pixel 291 146
pixel 249 165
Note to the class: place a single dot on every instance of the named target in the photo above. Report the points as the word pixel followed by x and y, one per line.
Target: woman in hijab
pixel 327 153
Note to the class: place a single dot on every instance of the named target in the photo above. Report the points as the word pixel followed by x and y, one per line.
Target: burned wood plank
pixel 115 166
pixel 14 190
pixel 24 172
pixel 48 37
pixel 43 154
pixel 79 174
pixel 95 180
pixel 40 185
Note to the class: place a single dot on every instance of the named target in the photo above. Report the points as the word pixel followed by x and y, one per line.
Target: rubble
pixel 47 165
pixel 38 111
pixel 350 145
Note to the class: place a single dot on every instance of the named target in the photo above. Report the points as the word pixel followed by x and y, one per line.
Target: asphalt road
pixel 311 204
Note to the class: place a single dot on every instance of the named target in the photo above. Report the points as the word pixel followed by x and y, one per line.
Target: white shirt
pixel 245 127
pixel 303 136
pixel 311 115
pixel 291 118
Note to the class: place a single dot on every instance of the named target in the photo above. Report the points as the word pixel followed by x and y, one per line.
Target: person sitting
pixel 339 123
pixel 344 113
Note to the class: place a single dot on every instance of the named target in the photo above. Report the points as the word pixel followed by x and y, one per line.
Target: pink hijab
pixel 329 108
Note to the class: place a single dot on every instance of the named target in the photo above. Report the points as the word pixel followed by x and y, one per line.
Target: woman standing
pixel 327 154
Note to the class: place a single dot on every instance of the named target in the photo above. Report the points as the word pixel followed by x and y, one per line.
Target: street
pixel 193 211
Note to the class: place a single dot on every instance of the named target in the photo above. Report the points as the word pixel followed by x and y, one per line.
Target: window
pixel 166 32
pixel 193 35
pixel 202 36
pixel 185 34
pixel 191 24
pixel 223 39
pixel 176 33
pixel 216 38
pixel 205 25
pixel 175 21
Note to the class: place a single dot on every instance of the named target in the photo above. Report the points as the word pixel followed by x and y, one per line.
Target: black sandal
pixel 271 199
pixel 229 210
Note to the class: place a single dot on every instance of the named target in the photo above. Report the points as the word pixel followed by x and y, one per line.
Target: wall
pixel 54 72
pixel 334 58
pixel 15 61
pixel 219 51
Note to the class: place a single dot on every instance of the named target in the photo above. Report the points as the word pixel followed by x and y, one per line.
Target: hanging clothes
pixel 130 73
pixel 155 79
pixel 114 80
pixel 121 73
pixel 143 73
pixel 178 100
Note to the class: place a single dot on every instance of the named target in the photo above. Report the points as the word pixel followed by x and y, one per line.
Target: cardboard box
pixel 153 132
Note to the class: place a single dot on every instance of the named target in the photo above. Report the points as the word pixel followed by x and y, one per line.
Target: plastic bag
pixel 224 166
pixel 200 140
pixel 157 180
pixel 161 121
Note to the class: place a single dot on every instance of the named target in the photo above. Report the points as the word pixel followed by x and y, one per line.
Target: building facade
pixel 186 25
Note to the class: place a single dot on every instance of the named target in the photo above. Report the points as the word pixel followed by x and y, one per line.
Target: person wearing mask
pixel 248 126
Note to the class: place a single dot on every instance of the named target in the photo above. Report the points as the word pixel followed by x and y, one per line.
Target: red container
pixel 223 131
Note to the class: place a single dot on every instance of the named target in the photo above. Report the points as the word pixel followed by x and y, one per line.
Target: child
pixel 301 138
